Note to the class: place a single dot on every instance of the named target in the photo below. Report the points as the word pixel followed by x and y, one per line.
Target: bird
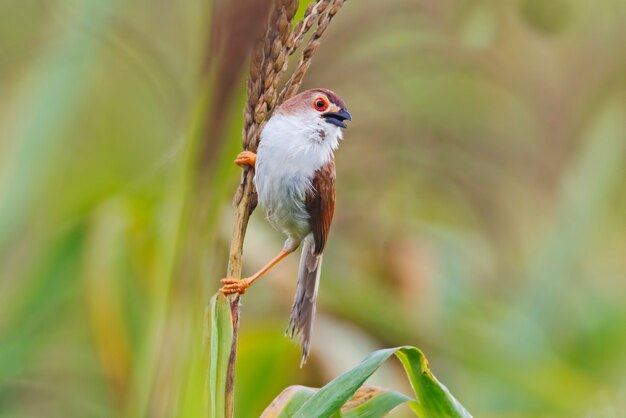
pixel 294 175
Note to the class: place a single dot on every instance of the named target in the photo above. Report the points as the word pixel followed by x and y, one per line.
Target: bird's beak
pixel 337 118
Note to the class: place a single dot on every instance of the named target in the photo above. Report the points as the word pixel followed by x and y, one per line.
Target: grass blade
pixel 220 341
pixel 334 395
pixel 433 398
pixel 372 402
pixel 367 402
pixel 288 402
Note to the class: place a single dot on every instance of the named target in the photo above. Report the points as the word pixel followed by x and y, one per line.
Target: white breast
pixel 289 153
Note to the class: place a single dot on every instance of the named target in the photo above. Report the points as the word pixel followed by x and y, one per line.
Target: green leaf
pixel 372 402
pixel 220 342
pixel 288 402
pixel 331 397
pixel 367 402
pixel 433 398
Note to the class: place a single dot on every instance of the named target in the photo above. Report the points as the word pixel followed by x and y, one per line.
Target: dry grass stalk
pixel 312 12
pixel 264 76
pixel 295 81
pixel 268 64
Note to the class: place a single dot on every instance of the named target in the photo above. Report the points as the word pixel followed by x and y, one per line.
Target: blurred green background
pixel 480 211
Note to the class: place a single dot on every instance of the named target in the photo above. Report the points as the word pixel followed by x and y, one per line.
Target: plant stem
pixel 242 214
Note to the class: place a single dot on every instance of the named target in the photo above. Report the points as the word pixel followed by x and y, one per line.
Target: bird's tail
pixel 303 309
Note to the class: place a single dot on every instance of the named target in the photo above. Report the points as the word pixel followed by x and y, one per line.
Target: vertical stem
pixel 242 216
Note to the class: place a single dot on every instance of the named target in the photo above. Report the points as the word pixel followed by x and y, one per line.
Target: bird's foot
pixel 235 286
pixel 246 158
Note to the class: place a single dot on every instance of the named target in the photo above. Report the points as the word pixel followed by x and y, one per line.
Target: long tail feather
pixel 303 309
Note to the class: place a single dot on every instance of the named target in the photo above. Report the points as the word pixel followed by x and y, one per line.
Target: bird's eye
pixel 320 103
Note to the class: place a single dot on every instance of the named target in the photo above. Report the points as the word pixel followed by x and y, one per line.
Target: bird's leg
pixel 246 158
pixel 240 285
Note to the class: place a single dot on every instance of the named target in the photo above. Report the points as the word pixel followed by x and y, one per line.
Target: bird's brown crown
pixel 306 97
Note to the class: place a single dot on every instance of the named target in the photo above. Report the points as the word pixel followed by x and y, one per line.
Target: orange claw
pixel 235 286
pixel 232 285
pixel 246 158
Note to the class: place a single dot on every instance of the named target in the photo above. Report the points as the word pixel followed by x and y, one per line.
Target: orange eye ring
pixel 320 103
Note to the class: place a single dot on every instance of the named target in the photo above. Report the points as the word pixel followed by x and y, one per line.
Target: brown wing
pixel 320 204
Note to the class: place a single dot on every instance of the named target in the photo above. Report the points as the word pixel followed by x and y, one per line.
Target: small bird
pixel 295 181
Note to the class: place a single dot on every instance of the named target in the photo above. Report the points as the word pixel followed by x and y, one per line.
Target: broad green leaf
pixel 220 341
pixel 331 397
pixel 367 402
pixel 433 398
pixel 372 402
pixel 288 402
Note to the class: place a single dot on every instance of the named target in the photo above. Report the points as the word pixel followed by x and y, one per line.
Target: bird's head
pixel 319 108
pixel 316 104
pixel 309 121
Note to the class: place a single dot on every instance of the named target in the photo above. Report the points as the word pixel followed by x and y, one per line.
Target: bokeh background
pixel 480 215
